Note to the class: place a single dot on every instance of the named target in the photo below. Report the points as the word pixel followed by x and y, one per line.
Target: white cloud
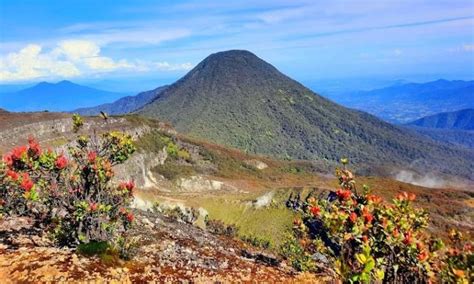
pixel 30 63
pixel 105 63
pixel 397 52
pixel 165 66
pixel 70 58
pixel 78 49
pixel 135 33
pixel 462 48
pixel 468 47
pixel 88 53
pixel 280 15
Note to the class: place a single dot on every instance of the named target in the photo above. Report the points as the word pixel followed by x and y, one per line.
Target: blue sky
pixel 101 41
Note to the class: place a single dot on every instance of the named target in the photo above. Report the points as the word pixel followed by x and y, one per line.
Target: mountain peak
pixel 65 82
pixel 233 58
pixel 234 66
pixel 43 83
pixel 59 96
pixel 60 83
pixel 239 53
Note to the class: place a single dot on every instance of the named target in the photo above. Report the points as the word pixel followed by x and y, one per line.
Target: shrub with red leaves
pixel 70 195
pixel 361 238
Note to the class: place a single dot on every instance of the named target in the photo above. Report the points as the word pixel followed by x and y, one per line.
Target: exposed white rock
pixel 141 204
pixel 138 168
pixel 203 212
pixel 259 165
pixel 199 183
pixel 264 200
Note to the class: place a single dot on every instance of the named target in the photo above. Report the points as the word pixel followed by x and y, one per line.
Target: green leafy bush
pixel 71 196
pixel 172 171
pixel 93 248
pixel 218 227
pixel 172 149
pixel 458 261
pixel 186 214
pixel 184 154
pixel 257 241
pixel 364 239
pixel 294 252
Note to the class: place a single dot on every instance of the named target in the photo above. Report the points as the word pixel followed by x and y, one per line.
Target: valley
pixel 405 102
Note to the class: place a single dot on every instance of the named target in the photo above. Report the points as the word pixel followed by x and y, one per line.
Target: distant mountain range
pixel 402 103
pixel 124 105
pixel 237 99
pixel 61 96
pixel 461 119
pixel 11 88
pixel 455 127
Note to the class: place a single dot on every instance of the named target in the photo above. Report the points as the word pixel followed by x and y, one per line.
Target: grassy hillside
pixel 448 207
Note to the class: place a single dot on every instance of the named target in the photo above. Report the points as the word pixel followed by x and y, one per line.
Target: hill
pixel 235 98
pixel 123 105
pixel 457 137
pixel 402 103
pixel 61 96
pixel 461 119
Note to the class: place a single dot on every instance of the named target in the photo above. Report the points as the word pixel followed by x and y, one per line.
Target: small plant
pixel 93 248
pixel 458 262
pixel 126 247
pixel 172 149
pixel 294 252
pixel 257 241
pixel 184 155
pixel 186 215
pixel 77 122
pixel 218 227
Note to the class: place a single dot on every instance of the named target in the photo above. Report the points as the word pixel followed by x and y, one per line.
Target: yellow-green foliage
pixel 58 142
pixel 153 142
pixel 156 141
pixel 184 154
pixel 266 223
pixel 172 149
pixel 173 171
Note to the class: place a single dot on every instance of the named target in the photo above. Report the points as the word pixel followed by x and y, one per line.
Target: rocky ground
pixel 170 251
